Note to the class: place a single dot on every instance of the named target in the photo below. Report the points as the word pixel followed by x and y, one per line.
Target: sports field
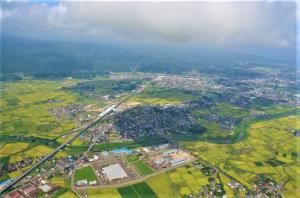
pixel 85 173
pixel 269 149
pixel 142 168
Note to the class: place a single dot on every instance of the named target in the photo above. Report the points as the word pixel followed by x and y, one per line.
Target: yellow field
pixel 59 181
pixel 161 186
pixel 15 174
pixel 37 151
pixel 103 193
pixel 267 140
pixel 12 148
pixel 68 194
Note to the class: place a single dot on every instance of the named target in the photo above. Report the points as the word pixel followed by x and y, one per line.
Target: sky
pixel 263 23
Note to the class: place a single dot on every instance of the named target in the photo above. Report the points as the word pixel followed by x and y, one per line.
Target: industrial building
pixel 114 171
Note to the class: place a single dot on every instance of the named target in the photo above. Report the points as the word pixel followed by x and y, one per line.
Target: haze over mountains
pixel 64 36
pixel 41 57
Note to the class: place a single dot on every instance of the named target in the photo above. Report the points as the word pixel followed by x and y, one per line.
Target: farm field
pixel 140 190
pixel 103 193
pixel 187 180
pixel 270 149
pixel 85 173
pixel 162 186
pixel 37 151
pixel 68 194
pixel 12 148
pixel 25 108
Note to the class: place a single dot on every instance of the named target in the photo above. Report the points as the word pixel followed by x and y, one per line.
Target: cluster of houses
pixel 33 188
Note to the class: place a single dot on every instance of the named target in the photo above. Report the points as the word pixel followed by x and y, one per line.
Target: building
pixel 5 183
pixel 122 150
pixel 146 149
pixel 48 188
pixel 94 158
pixel 82 182
pixel 170 152
pixel 159 161
pixel 29 190
pixel 37 181
pixel 93 182
pixel 114 171
pixel 175 162
pixel 163 146
pixel 14 194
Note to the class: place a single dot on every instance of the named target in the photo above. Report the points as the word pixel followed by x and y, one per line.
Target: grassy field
pixel 142 168
pixel 85 173
pixel 270 148
pixel 155 95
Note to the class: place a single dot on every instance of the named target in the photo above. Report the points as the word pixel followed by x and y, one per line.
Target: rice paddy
pixel 12 148
pixel 25 108
pixel 268 149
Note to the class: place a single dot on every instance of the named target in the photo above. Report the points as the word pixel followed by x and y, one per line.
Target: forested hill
pixel 45 57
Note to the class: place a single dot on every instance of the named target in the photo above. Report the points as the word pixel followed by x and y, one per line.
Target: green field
pixel 140 190
pixel 155 95
pixel 143 168
pixel 132 158
pixel 269 148
pixel 85 173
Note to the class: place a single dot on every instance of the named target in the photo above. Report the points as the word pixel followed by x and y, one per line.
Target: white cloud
pixel 196 22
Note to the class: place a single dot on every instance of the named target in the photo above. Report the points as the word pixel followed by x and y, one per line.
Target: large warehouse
pixel 114 171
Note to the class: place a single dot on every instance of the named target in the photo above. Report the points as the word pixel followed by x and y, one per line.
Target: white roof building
pixel 93 182
pixel 114 171
pixel 82 182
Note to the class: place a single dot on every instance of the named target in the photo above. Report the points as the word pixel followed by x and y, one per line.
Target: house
pixel 14 194
pixel 29 190
pixel 48 189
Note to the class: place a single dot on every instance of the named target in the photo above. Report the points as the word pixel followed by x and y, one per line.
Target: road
pixel 101 116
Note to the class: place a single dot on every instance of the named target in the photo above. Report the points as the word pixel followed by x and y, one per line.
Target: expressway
pixel 101 116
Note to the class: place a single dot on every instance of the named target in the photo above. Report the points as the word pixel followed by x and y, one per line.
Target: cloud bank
pixel 264 23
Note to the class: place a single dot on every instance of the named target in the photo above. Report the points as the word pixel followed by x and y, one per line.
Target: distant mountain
pixel 45 57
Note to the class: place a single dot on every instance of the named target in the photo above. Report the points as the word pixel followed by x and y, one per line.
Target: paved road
pixel 101 116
